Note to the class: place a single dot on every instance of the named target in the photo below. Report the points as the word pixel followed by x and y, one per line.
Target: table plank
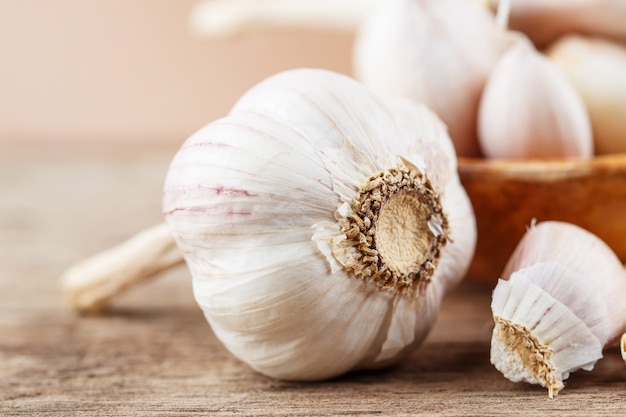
pixel 154 354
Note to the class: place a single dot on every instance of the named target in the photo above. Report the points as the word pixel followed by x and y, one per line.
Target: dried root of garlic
pixel 558 306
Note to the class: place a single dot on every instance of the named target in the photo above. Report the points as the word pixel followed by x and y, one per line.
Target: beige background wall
pixel 131 70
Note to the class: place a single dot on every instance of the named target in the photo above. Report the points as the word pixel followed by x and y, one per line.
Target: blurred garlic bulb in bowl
pixel 436 52
pixel 560 302
pixel 321 225
pixel 597 68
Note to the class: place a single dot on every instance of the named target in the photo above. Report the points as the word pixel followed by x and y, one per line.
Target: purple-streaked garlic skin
pixel 261 204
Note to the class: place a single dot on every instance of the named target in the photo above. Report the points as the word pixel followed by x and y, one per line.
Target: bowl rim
pixel 543 168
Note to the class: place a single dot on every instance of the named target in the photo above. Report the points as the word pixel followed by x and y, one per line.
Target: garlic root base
pixel 89 285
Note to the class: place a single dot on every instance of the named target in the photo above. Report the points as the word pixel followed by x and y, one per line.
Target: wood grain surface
pixel 153 354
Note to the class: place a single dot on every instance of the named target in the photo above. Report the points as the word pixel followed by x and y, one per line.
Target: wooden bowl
pixel 507 195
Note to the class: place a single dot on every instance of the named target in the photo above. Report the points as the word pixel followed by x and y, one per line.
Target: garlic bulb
pixel 529 109
pixel 560 303
pixel 597 68
pixel 437 52
pixel 544 21
pixel 321 225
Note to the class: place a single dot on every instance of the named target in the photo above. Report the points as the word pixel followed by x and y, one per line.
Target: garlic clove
pixel 544 21
pixel 529 109
pixel 533 334
pixel 557 307
pixel 623 346
pixel 532 339
pixel 276 208
pixel 436 52
pixel 578 250
pixel 596 67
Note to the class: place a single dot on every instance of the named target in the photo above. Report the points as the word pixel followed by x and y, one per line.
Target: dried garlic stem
pixel 227 18
pixel 93 282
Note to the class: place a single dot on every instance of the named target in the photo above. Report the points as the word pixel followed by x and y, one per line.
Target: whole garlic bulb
pixel 597 68
pixel 321 225
pixel 559 305
pixel 436 52
pixel 529 109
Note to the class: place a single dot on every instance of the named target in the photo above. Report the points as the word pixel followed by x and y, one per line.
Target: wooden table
pixel 154 355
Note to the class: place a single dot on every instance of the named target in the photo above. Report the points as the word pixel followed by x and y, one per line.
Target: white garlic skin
pixel 529 109
pixel 585 254
pixel 597 68
pixel 545 21
pixel 252 201
pixel 560 301
pixel 435 52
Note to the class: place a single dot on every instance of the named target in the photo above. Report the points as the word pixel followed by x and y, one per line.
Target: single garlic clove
pixel 583 252
pixel 558 306
pixel 596 67
pixel 533 333
pixel 436 52
pixel 544 21
pixel 529 109
pixel 321 224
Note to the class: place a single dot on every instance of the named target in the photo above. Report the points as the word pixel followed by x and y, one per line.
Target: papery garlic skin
pixel 597 68
pixel 256 201
pixel 436 52
pixel 529 109
pixel 558 305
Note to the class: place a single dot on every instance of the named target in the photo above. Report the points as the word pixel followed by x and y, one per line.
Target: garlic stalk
pixel 544 21
pixel 91 284
pixel 436 52
pixel 322 225
pixel 559 304
pixel 228 18
pixel 529 109
pixel 597 69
